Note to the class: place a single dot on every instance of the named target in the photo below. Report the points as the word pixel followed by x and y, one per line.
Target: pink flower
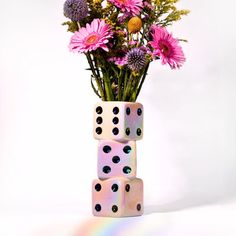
pixel 129 6
pixel 91 37
pixel 133 42
pixel 166 47
pixel 149 5
pixel 119 61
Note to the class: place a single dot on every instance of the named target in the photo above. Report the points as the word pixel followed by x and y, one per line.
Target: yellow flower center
pixel 91 39
pixel 122 1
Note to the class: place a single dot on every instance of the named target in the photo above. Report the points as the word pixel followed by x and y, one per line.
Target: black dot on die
pixel 99 110
pixel 99 120
pixel 114 187
pixel 98 207
pixel 106 169
pixel 115 120
pixel 139 111
pixel 139 132
pixel 115 159
pixel 98 187
pixel 116 110
pixel 98 130
pixel 139 207
pixel 128 111
pixel 127 131
pixel 127 170
pixel 115 131
pixel 127 187
pixel 127 149
pixel 106 149
pixel 114 208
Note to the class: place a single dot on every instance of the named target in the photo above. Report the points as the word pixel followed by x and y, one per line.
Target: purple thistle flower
pixel 76 10
pixel 136 59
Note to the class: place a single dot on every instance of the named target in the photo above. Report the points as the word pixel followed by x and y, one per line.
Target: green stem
pixel 96 66
pixel 120 78
pixel 97 79
pixel 107 90
pixel 125 82
pixel 133 95
pixel 94 89
pixel 107 84
pixel 142 81
pixel 128 88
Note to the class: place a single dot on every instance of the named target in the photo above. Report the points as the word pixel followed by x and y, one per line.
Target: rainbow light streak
pixel 106 226
pixel 135 226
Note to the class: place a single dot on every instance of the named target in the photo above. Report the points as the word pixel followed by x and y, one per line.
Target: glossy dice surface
pixel 121 121
pixel 116 159
pixel 117 197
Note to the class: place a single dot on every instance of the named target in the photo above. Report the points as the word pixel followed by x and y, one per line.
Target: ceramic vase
pixel 117 192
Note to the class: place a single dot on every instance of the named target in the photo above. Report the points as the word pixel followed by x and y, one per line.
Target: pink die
pixel 116 159
pixel 117 197
pixel 121 121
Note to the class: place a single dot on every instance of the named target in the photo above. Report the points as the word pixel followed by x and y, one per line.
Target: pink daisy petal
pixel 129 6
pixel 95 25
pixel 105 48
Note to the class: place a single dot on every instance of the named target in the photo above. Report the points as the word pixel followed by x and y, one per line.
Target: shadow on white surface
pixel 202 193
pixel 183 204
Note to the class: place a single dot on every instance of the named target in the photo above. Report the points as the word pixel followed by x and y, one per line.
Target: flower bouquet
pixel 120 38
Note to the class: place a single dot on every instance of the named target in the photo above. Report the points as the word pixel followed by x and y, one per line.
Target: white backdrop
pixel 47 153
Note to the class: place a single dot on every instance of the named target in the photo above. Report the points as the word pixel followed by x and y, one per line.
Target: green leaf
pixel 94 89
pixel 72 26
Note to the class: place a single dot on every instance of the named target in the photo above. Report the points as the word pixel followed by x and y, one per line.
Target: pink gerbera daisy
pixel 91 37
pixel 129 6
pixel 166 47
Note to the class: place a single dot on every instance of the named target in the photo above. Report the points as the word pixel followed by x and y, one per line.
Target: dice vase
pixel 117 192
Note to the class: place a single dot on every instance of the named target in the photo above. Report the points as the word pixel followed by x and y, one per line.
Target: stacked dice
pixel 117 192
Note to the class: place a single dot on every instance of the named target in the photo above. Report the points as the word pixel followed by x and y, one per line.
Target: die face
pixel 134 198
pixel 116 159
pixel 117 197
pixel 108 122
pixel 118 121
pixel 108 197
pixel 133 121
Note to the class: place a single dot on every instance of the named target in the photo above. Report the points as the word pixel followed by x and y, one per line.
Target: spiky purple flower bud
pixel 76 10
pixel 136 59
